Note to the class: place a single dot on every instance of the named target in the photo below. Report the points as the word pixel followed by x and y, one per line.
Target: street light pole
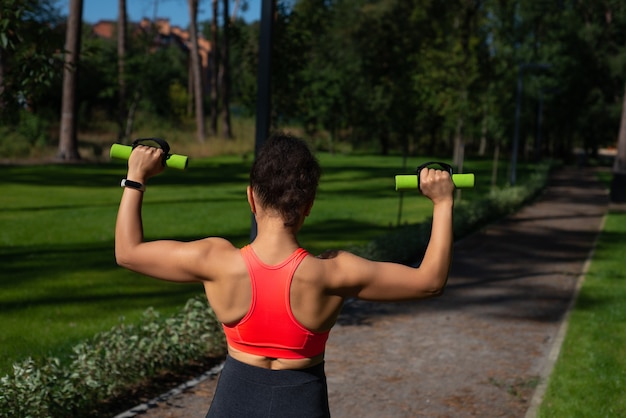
pixel 264 101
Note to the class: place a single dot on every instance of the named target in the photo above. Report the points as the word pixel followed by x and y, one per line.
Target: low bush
pixel 110 363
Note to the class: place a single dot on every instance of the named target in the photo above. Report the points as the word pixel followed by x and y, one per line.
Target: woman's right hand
pixel 436 185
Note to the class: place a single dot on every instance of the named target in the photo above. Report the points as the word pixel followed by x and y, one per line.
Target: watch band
pixel 133 185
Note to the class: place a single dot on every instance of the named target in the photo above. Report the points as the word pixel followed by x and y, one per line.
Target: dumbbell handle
pixel 122 152
pixel 411 181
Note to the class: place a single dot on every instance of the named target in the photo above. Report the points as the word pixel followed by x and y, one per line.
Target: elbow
pixel 437 289
pixel 436 292
pixel 426 293
pixel 122 258
pixel 125 262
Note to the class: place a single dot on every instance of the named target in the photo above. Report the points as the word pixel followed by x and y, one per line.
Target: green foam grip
pixel 122 152
pixel 411 181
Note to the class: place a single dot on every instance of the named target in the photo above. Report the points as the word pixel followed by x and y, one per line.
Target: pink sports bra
pixel 269 328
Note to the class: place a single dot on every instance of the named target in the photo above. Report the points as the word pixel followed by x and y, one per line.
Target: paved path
pixel 486 345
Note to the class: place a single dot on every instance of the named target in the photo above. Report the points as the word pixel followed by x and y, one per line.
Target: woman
pixel 277 303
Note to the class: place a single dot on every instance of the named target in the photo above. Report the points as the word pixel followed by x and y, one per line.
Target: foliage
pixel 30 36
pixel 244 41
pixel 416 76
pixel 31 133
pixel 111 362
pixel 179 99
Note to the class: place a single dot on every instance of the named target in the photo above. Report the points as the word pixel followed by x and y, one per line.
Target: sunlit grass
pixel 589 378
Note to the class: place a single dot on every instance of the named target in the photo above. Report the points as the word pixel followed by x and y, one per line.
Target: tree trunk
pixel 196 65
pixel 215 65
pixel 190 94
pixel 618 184
pixel 458 143
pixel 122 113
pixel 2 65
pixel 494 167
pixel 131 114
pixel 226 131
pixel 68 143
pixel 235 10
pixel 483 135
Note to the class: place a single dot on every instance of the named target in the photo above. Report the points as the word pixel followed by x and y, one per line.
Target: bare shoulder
pixel 215 247
pixel 341 257
pixel 344 270
pixel 214 256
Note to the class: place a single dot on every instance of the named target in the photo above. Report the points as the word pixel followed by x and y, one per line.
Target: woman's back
pixel 265 375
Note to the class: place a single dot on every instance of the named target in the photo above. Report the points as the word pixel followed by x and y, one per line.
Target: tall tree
pixel 618 184
pixel 196 70
pixel 68 141
pixel 121 76
pixel 227 129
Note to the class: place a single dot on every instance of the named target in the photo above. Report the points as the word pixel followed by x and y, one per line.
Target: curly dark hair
pixel 285 176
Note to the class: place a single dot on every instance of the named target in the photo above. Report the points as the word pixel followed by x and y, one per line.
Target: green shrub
pixel 34 128
pixel 25 138
pixel 110 363
pixel 179 98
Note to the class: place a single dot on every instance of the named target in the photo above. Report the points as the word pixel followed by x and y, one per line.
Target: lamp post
pixel 518 107
pixel 264 102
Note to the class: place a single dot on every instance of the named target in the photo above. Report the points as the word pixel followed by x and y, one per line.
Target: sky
pixel 176 10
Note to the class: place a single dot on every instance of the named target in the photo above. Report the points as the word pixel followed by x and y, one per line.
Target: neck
pixel 274 241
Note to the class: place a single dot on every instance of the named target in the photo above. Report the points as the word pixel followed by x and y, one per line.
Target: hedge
pixel 110 363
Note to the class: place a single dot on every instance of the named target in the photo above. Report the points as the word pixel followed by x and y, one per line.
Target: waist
pixel 275 363
pixel 266 376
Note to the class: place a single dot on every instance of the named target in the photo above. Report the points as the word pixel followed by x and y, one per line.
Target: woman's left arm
pixel 163 259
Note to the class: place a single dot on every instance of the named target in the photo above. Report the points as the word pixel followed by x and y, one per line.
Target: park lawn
pixel 589 378
pixel 60 284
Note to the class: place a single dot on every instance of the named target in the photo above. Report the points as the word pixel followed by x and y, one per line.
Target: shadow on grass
pixel 205 172
pixel 52 275
pixel 336 178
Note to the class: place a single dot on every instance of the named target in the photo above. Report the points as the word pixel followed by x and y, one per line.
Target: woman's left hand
pixel 145 162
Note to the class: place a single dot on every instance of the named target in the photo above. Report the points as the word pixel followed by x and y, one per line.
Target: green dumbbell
pixel 122 152
pixel 407 182
pixel 411 181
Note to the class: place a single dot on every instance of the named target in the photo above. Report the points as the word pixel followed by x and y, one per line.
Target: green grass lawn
pixel 60 284
pixel 589 378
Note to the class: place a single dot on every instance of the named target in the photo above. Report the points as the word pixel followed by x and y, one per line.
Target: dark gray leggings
pixel 245 391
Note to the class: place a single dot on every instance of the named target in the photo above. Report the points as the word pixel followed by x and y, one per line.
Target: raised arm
pixel 163 259
pixel 356 277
